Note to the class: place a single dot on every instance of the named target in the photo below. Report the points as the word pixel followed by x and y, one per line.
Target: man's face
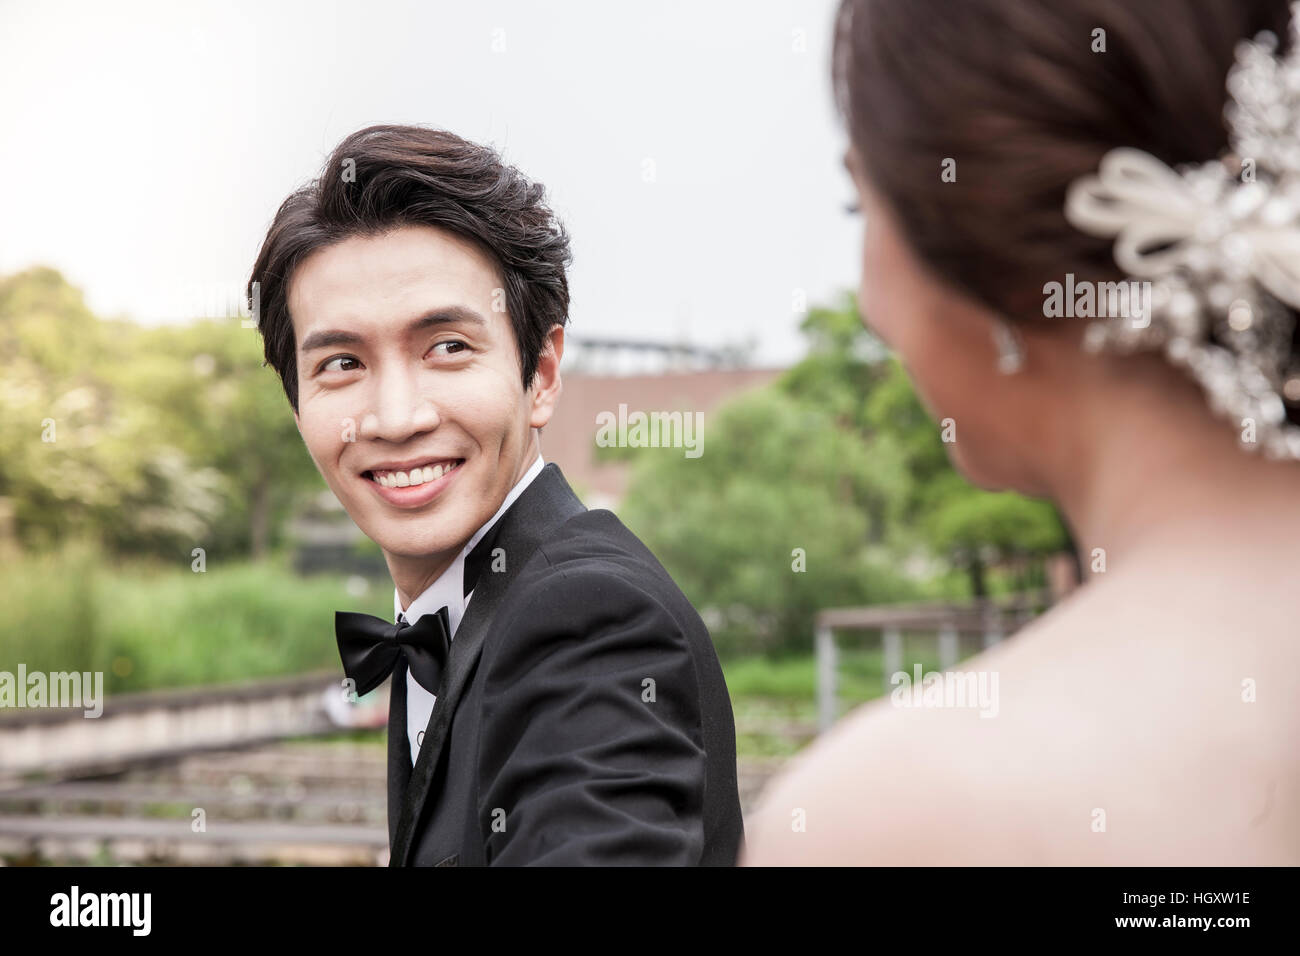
pixel 410 395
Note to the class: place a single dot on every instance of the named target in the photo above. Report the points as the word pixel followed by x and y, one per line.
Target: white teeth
pixel 416 476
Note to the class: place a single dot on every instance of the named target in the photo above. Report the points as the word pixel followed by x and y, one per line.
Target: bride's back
pixel 1152 717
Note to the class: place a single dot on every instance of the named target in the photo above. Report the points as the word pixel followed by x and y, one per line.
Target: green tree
pixel 149 440
pixel 971 528
pixel 226 410
pixel 840 459
pixel 771 523
pixel 77 458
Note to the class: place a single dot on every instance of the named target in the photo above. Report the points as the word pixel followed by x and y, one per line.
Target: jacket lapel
pixel 544 505
pixel 399 748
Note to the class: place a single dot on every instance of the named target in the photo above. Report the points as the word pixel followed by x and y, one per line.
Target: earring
pixel 1011 350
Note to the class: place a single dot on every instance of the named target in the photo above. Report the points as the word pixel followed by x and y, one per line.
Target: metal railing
pixel 170 723
pixel 991 618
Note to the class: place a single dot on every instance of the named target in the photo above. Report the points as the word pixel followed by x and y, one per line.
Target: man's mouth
pixel 418 474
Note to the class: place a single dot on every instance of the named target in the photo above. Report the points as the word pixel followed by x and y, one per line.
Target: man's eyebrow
pixel 329 338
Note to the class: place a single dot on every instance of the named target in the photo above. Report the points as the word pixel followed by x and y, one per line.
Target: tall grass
pixel 859 676
pixel 147 625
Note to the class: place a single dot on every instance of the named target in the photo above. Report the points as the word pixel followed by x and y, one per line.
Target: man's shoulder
pixel 596 535
pixel 589 541
pixel 592 564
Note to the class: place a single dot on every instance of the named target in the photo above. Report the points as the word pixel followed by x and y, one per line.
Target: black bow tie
pixel 370 647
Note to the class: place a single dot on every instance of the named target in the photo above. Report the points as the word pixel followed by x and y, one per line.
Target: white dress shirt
pixel 448 589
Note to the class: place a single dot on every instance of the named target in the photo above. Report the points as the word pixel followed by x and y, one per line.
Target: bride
pixel 1153 718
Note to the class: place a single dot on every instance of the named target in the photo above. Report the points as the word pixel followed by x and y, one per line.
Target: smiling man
pixel 555 697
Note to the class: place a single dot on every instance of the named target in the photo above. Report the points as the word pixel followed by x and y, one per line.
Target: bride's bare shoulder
pixel 888 785
pixel 1098 709
pixel 905 779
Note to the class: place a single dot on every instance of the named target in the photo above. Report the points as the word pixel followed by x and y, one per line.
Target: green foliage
pixel 971 528
pixel 964 519
pixel 777 476
pixel 147 625
pixel 860 676
pixel 838 458
pixel 153 441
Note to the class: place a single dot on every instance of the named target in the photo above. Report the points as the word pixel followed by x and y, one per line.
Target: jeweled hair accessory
pixel 1220 244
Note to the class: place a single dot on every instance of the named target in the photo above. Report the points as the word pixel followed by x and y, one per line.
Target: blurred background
pixel 162 524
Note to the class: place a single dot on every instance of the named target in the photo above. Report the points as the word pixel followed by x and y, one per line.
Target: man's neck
pixel 412 591
pixel 411 581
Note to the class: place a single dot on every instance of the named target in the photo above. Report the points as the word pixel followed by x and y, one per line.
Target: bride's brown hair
pixel 1013 92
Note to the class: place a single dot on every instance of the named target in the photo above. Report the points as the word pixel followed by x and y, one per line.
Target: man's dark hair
pixel 386 177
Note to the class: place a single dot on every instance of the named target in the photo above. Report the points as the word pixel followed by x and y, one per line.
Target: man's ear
pixel 546 385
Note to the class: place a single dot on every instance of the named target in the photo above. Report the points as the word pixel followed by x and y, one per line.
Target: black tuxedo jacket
pixel 583 718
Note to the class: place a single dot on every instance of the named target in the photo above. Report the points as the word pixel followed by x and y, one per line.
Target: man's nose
pixel 397 407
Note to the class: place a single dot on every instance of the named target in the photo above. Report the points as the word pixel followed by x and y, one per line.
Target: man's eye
pixel 332 366
pixel 452 347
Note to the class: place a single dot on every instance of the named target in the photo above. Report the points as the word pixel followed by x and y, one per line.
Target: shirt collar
pixel 448 588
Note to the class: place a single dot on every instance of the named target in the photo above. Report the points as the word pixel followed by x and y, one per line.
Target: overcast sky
pixel 145 146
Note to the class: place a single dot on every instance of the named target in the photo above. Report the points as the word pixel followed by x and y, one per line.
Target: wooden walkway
pixel 312 804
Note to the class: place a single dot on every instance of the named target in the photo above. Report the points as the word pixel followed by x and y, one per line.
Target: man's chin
pixel 406 550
